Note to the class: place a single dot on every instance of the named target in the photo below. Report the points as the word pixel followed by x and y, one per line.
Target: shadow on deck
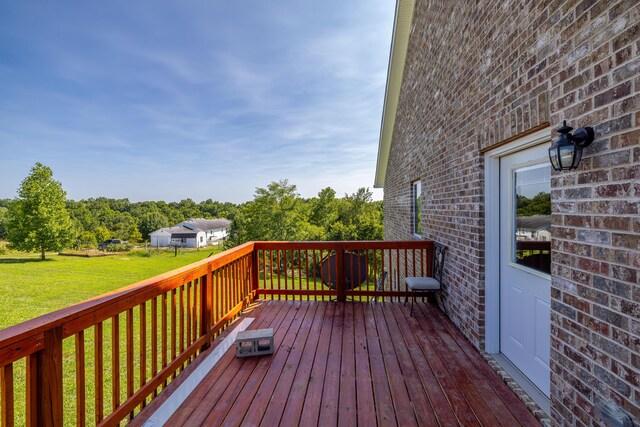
pixel 350 364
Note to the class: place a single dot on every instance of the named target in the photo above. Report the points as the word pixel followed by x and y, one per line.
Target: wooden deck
pixel 353 364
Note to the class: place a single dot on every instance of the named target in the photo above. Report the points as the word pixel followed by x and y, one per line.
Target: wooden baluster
pixel 243 278
pixel 115 362
pixel 182 320
pixel 353 270
pixel 375 269
pixel 314 266
pixel 217 299
pixel 206 306
pixel 235 282
pixel 383 270
pixel 154 340
pixel 279 270
pixel 223 291
pixel 130 351
pixel 80 381
pixel 413 260
pixel 143 348
pixel 163 334
pixel 299 273
pixel 194 312
pixel 406 269
pixel 340 274
pixel 228 291
pixel 6 396
pixel 189 318
pixel 256 274
pixel 392 272
pixel 286 270
pixel 31 390
pixel 99 390
pixel 173 328
pixel 270 270
pixel 306 261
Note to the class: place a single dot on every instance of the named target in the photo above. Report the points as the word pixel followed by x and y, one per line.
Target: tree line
pixel 41 218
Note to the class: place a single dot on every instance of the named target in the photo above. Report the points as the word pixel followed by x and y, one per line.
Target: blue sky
pixel 155 100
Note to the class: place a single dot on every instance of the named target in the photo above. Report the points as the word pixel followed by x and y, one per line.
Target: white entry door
pixel 525 246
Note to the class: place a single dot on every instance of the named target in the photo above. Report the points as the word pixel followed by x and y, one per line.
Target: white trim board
pixel 492 232
pixel 177 398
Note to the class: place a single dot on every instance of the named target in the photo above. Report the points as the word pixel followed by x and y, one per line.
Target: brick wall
pixel 478 73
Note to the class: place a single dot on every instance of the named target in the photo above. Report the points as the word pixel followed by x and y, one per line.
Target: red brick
pixel 612 94
pixel 612 222
pixel 626 139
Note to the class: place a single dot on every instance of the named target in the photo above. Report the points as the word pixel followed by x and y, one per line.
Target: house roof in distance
pixel 206 224
pixel 175 231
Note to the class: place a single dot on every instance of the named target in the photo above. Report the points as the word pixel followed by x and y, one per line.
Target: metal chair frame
pixel 438 258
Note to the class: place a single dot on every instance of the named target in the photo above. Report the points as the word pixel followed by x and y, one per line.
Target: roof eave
pixel 397 57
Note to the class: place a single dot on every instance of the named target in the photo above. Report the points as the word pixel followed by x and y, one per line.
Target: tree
pixel 102 234
pixel 3 218
pixel 38 219
pixel 275 213
pixel 150 222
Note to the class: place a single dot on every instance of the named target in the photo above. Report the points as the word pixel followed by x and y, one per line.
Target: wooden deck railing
pixel 101 361
pixel 304 270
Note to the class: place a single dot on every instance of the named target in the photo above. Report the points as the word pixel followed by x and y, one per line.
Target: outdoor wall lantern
pixel 566 151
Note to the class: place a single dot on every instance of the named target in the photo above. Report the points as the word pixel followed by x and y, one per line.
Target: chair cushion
pixel 422 283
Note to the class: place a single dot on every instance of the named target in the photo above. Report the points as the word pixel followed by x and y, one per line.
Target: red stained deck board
pixel 295 400
pixel 464 367
pixel 284 387
pixel 364 395
pixel 401 400
pixel 520 412
pixel 347 415
pixel 438 399
pixel 383 404
pixel 331 389
pixel 354 364
pixel 236 406
pixel 275 387
pixel 227 371
pixel 422 407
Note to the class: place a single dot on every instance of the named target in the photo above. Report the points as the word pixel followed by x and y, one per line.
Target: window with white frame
pixel 416 208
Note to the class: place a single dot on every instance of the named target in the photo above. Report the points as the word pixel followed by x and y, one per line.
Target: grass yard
pixel 30 287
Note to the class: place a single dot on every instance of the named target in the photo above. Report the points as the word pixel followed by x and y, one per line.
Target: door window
pixel 532 217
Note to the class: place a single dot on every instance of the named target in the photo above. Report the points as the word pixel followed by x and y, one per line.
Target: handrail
pixel 174 316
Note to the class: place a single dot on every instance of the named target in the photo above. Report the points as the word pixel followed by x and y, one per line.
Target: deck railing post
pixel 255 271
pixel 44 382
pixel 206 305
pixel 340 273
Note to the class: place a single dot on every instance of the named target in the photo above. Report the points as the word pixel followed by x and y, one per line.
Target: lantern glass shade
pixel 553 157
pixel 565 155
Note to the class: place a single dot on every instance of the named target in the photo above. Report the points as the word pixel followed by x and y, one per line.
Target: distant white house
pixel 215 229
pixel 185 238
pixel 535 227
pixel 193 233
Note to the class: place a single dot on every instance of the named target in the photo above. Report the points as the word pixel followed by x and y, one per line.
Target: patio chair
pixel 427 284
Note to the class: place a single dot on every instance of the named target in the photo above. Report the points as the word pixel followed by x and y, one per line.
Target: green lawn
pixel 30 287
